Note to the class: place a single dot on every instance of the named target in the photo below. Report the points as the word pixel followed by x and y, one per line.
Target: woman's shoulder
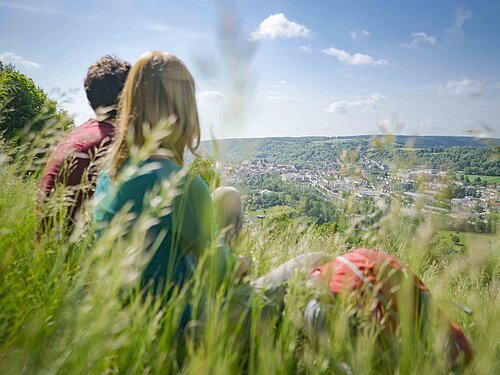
pixel 145 173
pixel 143 176
pixel 164 168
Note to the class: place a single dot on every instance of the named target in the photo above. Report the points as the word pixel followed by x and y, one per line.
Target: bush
pixel 23 105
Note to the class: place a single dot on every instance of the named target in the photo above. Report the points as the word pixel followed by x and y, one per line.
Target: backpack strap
pixel 367 282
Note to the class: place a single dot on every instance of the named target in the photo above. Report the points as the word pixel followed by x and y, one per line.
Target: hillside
pixel 441 152
pixel 67 308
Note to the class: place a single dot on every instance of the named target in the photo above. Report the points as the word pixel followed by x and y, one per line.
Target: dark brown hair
pixel 105 80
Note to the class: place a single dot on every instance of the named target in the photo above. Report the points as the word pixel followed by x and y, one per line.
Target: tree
pixel 23 103
pixel 205 168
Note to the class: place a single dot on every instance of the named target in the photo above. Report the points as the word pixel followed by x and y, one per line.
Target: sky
pixel 282 68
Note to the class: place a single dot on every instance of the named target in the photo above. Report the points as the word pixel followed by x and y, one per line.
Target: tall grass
pixel 71 303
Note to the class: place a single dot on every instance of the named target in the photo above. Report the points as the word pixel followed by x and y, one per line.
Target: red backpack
pixel 363 269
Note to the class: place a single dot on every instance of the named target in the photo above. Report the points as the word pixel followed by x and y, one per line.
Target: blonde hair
pixel 159 90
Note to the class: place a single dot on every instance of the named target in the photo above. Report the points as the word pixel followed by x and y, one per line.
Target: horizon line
pixel 478 137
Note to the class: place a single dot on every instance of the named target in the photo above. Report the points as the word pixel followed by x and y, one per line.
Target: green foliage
pixel 205 168
pixel 444 153
pixel 455 239
pixel 470 160
pixel 23 104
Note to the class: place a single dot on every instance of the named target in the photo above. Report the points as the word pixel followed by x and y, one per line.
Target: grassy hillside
pixel 70 303
pixel 490 180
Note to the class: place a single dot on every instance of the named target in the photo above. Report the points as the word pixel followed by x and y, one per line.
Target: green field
pixel 275 211
pixel 489 179
pixel 272 211
pixel 473 241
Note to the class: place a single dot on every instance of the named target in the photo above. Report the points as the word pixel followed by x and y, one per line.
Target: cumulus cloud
pixel 12 58
pixel 277 26
pixel 343 106
pixel 423 38
pixel 306 48
pixel 211 95
pixel 359 33
pixel 460 88
pixel 457 27
pixel 353 59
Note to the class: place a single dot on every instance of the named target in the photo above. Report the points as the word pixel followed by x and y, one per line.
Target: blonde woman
pixel 159 94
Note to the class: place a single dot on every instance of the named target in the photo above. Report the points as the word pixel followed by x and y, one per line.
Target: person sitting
pixel 159 98
pixel 74 163
pixel 377 288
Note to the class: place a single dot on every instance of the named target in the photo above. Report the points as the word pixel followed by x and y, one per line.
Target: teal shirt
pixel 180 235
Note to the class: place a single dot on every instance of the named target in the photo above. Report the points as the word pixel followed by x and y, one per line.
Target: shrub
pixel 23 105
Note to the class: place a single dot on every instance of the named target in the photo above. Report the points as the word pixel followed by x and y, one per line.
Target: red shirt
pixel 76 151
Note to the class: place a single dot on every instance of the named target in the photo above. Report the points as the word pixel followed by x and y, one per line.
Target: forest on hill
pixel 465 154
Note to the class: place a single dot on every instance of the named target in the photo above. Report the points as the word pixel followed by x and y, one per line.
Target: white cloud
pixel 353 59
pixel 365 105
pixel 277 26
pixel 211 95
pixel 306 48
pixel 28 7
pixel 456 28
pixel 283 82
pixel 359 33
pixel 12 58
pixel 422 37
pixel 460 88
pixel 157 27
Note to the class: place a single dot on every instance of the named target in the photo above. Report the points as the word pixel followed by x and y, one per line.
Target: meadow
pixel 490 180
pixel 70 303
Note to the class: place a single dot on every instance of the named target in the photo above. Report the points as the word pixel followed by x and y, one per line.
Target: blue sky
pixel 282 68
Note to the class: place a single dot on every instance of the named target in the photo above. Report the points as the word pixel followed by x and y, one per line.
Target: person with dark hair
pixel 103 84
pixel 73 164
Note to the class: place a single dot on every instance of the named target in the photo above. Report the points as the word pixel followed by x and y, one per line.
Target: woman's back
pixel 183 224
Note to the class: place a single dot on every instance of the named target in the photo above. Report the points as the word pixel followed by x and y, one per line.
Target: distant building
pixel 404 186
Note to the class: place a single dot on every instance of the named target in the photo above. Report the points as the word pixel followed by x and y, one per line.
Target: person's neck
pixel 106 114
pixel 108 120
